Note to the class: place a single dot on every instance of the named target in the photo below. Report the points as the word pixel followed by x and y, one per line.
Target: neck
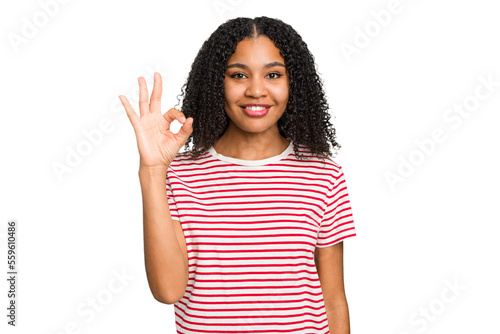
pixel 251 146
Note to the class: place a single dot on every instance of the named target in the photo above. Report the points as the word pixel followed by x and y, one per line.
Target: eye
pixel 277 75
pixel 235 75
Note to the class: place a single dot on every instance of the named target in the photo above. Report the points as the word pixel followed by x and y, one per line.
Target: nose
pixel 256 87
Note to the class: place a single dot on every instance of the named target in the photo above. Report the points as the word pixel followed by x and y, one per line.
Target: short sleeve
pixel 171 202
pixel 337 223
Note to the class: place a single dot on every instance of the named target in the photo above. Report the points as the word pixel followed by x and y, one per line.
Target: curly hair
pixel 306 118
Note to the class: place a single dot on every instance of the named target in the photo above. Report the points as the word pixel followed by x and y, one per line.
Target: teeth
pixel 255 108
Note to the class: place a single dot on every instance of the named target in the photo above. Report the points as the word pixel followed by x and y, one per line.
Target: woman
pixel 249 234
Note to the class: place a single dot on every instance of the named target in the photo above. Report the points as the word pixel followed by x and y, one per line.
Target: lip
pixel 256 113
pixel 256 105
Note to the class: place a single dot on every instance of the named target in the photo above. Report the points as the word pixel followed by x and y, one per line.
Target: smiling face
pixel 255 75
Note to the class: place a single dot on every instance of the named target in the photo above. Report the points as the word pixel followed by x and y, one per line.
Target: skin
pixel 330 266
pixel 254 138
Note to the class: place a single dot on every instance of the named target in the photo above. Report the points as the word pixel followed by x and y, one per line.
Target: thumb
pixel 185 131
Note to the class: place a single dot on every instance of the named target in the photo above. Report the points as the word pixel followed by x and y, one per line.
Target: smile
pixel 255 111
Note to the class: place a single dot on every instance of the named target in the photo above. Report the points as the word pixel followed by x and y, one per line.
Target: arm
pixel 329 264
pixel 166 265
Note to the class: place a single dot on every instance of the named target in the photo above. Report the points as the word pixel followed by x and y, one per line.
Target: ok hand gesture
pixel 157 145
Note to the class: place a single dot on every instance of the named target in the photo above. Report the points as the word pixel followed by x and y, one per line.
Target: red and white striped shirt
pixel 251 227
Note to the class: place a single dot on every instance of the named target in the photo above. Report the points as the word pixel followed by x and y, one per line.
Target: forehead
pixel 256 51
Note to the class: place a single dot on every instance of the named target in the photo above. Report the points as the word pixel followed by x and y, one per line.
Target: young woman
pixel 248 235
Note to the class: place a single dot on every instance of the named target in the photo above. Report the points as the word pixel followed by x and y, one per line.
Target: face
pixel 256 75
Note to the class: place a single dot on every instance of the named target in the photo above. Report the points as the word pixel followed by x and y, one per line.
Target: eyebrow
pixel 245 67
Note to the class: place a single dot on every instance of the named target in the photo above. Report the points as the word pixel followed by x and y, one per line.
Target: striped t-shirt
pixel 251 227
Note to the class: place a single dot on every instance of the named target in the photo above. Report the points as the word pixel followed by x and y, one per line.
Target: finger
pixel 154 104
pixel 143 96
pixel 173 114
pixel 132 115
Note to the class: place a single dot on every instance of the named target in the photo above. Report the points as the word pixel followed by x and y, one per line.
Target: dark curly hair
pixel 306 118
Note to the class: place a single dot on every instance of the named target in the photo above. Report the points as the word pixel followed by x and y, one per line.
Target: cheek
pixel 280 94
pixel 232 93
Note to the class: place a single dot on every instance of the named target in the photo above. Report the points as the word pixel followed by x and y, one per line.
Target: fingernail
pixel 183 119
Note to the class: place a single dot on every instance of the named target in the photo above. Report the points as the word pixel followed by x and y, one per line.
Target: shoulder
pixel 326 162
pixel 323 168
pixel 184 159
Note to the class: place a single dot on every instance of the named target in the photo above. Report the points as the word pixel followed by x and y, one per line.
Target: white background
pixel 437 224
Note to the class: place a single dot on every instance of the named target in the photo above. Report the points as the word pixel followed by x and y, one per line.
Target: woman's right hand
pixel 157 145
